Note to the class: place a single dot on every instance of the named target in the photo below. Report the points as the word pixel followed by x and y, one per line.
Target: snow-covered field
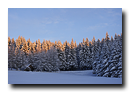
pixel 61 77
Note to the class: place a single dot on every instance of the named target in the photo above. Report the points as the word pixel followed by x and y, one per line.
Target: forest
pixel 103 57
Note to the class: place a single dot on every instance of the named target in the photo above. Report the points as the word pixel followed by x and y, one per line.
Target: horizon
pixel 66 40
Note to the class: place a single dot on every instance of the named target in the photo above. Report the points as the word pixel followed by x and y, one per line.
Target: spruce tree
pixel 75 44
pixel 77 55
pixel 97 56
pixel 87 42
pixel 61 55
pixel 94 48
pixel 73 60
pixel 36 62
pixel 25 48
pixel 110 65
pixel 44 46
pixel 38 48
pixel 11 56
pixel 103 60
pixel 9 41
pixel 116 58
pixel 67 57
pixel 83 56
pixel 53 60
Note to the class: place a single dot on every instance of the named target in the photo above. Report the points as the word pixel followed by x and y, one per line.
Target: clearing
pixel 60 77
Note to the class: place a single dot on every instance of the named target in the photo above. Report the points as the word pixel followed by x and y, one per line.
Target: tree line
pixel 103 57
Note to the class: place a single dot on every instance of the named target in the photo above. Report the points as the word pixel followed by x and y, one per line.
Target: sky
pixel 63 24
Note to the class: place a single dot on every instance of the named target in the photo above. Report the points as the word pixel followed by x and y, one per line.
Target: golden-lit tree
pixel 12 41
pixel 34 47
pixel 9 41
pixel 64 45
pixel 19 42
pixel 111 39
pixel 87 42
pixel 25 48
pixel 107 39
pixel 59 45
pixel 72 44
pixel 29 44
pixel 75 44
pixel 44 46
pixel 93 41
pixel 83 40
pixel 38 48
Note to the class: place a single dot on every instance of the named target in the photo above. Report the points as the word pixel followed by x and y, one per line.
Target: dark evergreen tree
pixel 67 57
pixel 110 65
pixel 73 60
pixel 11 56
pixel 97 56
pixel 77 55
pixel 52 60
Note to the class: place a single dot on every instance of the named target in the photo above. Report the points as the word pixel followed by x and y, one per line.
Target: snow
pixel 60 77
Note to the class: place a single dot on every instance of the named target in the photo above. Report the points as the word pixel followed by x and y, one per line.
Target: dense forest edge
pixel 103 57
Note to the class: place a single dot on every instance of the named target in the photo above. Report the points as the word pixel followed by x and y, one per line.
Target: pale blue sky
pixel 64 23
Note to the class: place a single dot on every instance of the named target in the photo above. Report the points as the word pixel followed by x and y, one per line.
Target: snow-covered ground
pixel 61 77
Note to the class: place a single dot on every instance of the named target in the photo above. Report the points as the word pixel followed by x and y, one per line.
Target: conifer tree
pixel 59 49
pixel 116 58
pixel 94 47
pixel 18 43
pixel 43 61
pixel 29 43
pixel 9 41
pixel 110 65
pixel 38 48
pixel 36 62
pixel 11 56
pixel 111 39
pixel 77 55
pixel 82 55
pixel 59 46
pixel 107 38
pixel 44 46
pixel 53 60
pixel 30 56
pixel 91 52
pixel 61 55
pixel 88 58
pixel 114 68
pixel 25 48
pixel 63 46
pixel 18 59
pixel 33 47
pixel 48 44
pixel 87 42
pixel 13 42
pixel 73 60
pixel 83 41
pixel 67 57
pixel 97 56
pixel 75 44
pixel 72 44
